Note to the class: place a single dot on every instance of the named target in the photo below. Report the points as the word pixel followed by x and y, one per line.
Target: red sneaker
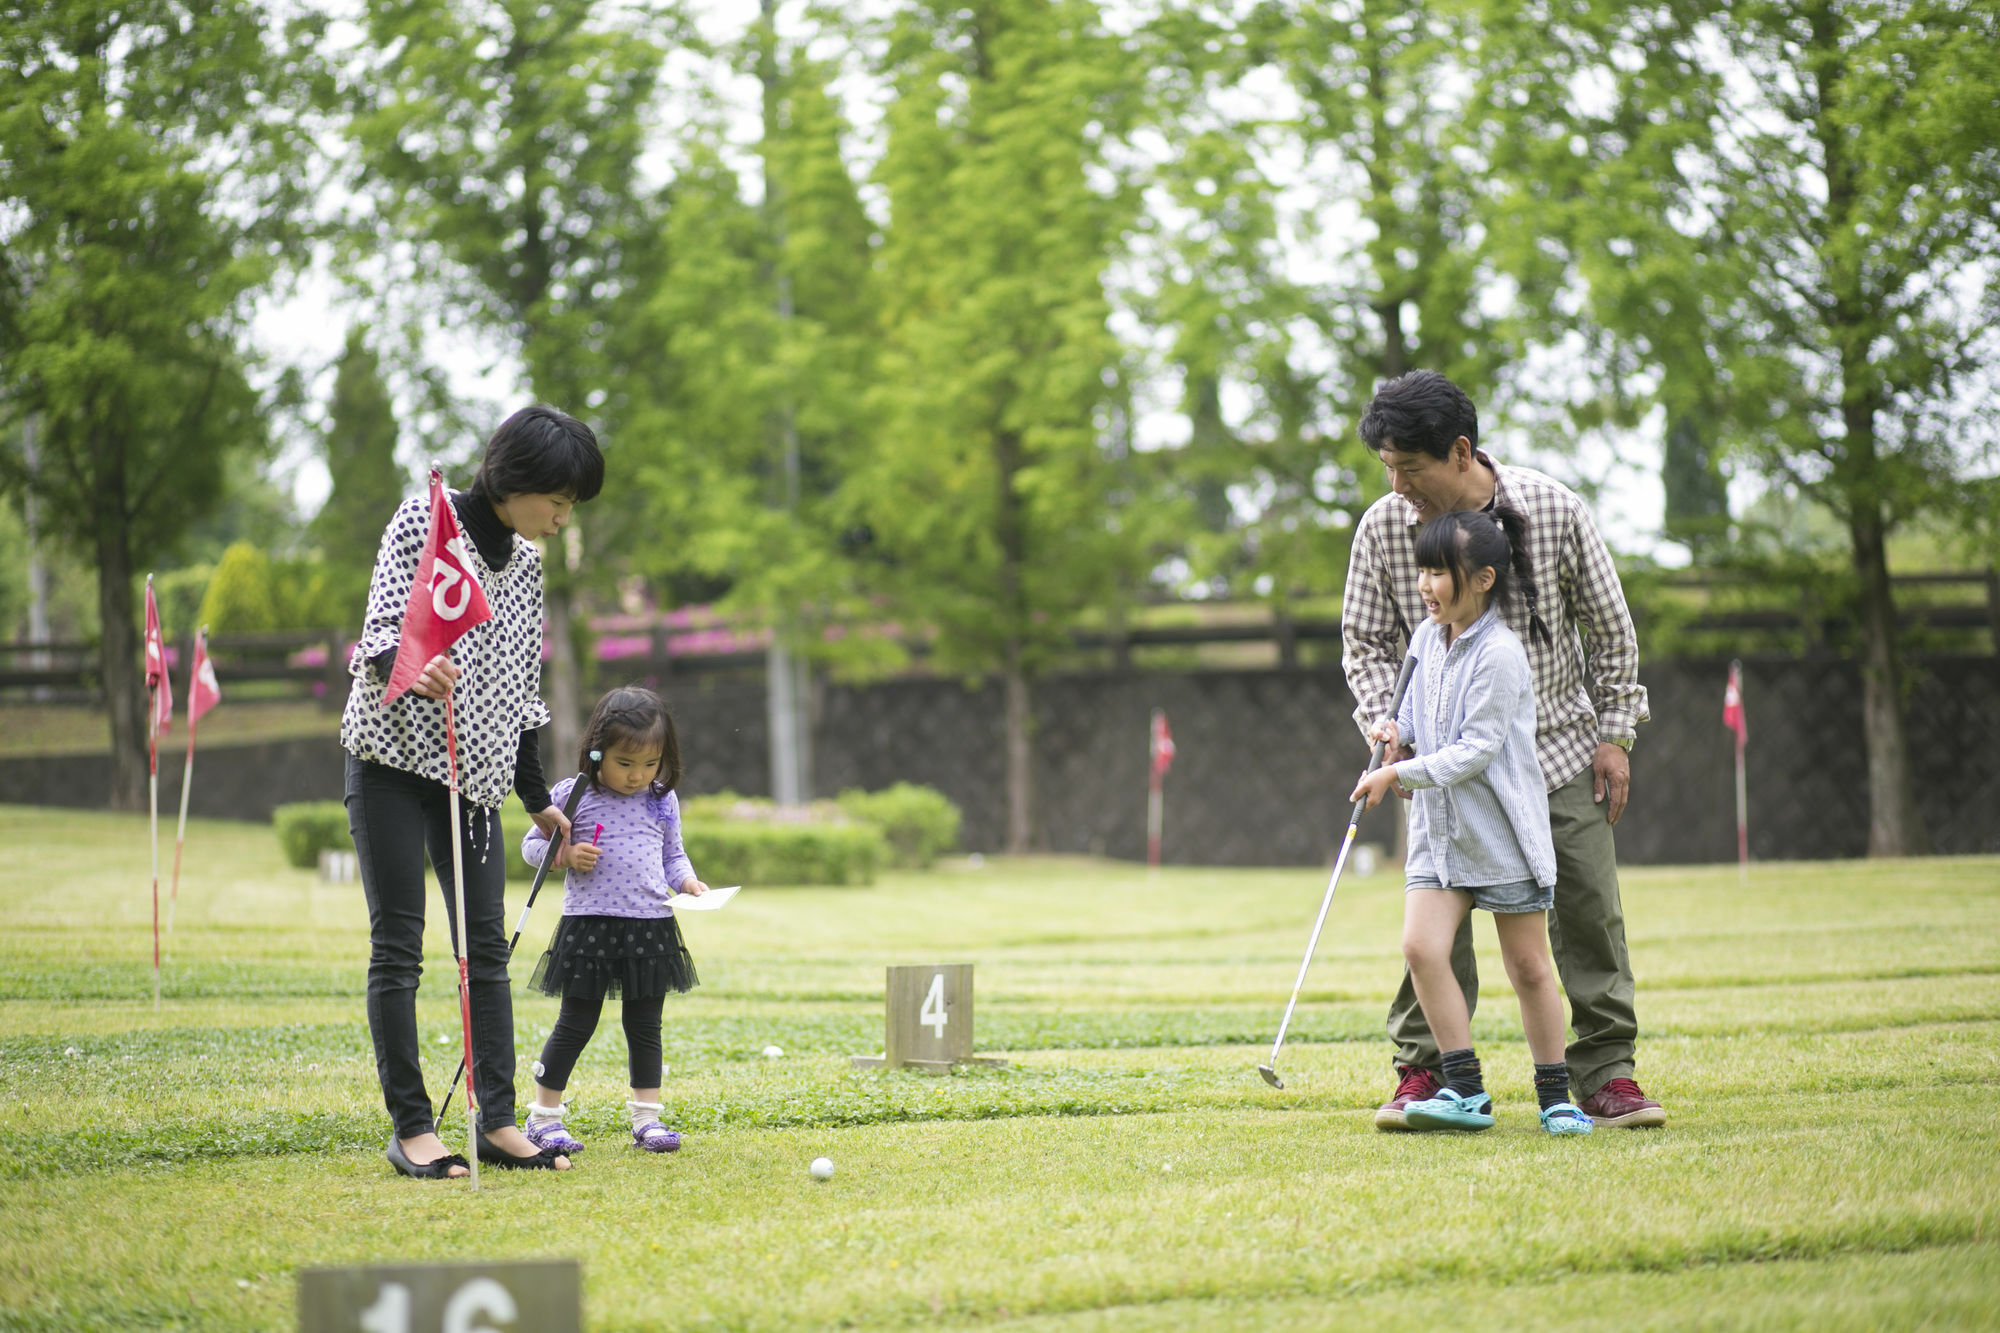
pixel 1621 1105
pixel 1417 1085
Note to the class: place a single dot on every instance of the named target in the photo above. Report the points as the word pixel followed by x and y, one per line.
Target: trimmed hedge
pixel 728 851
pixel 920 823
pixel 736 839
pixel 308 828
pixel 741 840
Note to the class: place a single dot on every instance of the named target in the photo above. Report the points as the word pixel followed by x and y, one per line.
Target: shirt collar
pixel 1487 619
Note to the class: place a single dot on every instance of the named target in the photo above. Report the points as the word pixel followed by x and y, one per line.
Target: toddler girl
pixel 618 935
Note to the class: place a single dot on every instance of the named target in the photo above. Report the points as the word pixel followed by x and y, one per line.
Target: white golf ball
pixel 773 1052
pixel 822 1168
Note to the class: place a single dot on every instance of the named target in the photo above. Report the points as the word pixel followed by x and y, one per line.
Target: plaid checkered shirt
pixel 1587 686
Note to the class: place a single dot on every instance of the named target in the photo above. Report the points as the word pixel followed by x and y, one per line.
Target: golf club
pixel 1270 1071
pixel 541 873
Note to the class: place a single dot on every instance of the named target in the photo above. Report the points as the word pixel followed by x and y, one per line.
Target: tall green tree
pixel 368 484
pixel 987 492
pixel 1374 111
pixel 150 160
pixel 503 140
pixel 748 358
pixel 1270 489
pixel 1800 198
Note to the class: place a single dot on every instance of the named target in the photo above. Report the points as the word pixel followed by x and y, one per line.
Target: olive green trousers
pixel 1587 937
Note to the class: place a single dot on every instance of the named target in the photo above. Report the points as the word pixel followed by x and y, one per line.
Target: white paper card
pixel 704 902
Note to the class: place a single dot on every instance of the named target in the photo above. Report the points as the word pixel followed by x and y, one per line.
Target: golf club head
pixel 1271 1076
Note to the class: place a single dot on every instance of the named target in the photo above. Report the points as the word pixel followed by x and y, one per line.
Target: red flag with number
pixel 156 665
pixel 445 599
pixel 203 691
pixel 1163 743
pixel 1732 704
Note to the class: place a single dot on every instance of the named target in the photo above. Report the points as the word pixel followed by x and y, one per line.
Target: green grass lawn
pixel 1826 1040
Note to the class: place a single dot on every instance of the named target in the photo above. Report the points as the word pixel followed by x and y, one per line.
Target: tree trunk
pixel 1020 755
pixel 564 688
pixel 1895 823
pixel 1009 455
pixel 1380 206
pixel 1895 826
pixel 120 652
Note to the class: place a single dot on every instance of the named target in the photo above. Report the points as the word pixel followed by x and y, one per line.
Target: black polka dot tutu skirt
pixel 590 957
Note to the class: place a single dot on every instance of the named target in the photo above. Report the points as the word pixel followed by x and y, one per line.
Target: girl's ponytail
pixel 1515 525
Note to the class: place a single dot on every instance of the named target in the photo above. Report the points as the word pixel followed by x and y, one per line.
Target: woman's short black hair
pixel 540 451
pixel 1420 413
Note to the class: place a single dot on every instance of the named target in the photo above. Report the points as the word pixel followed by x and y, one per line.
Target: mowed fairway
pixel 1827 1042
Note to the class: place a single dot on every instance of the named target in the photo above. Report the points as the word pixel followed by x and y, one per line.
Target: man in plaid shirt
pixel 1588 704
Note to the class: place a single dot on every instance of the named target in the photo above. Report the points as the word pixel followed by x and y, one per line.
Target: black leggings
pixel 395 817
pixel 576 1024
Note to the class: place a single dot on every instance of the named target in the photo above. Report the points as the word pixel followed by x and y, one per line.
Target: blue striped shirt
pixel 1480 813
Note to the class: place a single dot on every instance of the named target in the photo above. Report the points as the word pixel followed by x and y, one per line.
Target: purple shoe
pixel 551 1136
pixel 655 1137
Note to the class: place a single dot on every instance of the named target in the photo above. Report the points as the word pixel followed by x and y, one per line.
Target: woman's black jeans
pixel 396 817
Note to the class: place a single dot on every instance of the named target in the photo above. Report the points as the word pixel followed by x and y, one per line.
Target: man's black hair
pixel 1420 413
pixel 540 451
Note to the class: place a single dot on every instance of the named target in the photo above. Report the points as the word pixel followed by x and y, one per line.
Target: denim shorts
pixel 1521 896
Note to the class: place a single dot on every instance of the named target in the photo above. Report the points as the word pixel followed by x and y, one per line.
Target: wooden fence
pixel 314 662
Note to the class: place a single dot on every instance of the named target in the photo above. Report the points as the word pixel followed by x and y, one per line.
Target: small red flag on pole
pixel 445 601
pixel 1732 717
pixel 159 713
pixel 1162 747
pixel 203 694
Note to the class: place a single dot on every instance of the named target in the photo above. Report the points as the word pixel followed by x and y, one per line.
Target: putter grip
pixel 549 856
pixel 569 812
pixel 1381 748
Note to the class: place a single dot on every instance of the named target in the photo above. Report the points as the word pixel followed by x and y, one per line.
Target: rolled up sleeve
pixel 1372 633
pixel 1611 644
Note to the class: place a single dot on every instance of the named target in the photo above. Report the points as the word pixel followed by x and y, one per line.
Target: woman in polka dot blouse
pixel 537 466
pixel 618 935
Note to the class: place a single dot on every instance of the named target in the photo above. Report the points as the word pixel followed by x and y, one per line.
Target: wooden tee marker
pixel 929 1021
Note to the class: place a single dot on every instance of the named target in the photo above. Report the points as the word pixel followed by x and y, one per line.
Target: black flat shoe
pixel 545 1160
pixel 438 1170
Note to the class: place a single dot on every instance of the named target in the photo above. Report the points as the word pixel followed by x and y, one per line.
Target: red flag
pixel 156 666
pixel 445 600
pixel 1163 743
pixel 1732 704
pixel 203 692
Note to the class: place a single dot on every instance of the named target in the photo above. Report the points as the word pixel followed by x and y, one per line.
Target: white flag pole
pixel 1742 819
pixel 180 834
pixel 153 822
pixel 464 985
pixel 1156 805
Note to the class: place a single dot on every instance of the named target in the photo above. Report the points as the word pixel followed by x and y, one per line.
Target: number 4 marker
pixel 932 1015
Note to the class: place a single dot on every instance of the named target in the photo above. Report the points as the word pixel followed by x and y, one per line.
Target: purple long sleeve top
pixel 640 862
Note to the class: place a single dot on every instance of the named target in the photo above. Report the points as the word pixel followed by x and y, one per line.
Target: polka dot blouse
pixel 498 696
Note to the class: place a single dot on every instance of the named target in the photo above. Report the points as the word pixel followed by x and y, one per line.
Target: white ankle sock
pixel 537 1111
pixel 644 1111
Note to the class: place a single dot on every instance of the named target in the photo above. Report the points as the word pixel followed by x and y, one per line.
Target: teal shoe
pixel 1562 1118
pixel 1448 1110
